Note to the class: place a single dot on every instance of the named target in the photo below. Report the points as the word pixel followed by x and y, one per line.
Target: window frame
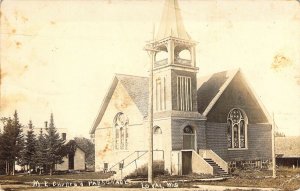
pixel 120 142
pixel 230 128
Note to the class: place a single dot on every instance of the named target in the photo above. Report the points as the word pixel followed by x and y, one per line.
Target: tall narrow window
pixel 121 134
pixel 184 94
pixel 236 129
pixel 229 134
pixel 158 94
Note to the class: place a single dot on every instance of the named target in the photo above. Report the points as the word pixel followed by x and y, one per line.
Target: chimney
pixel 46 124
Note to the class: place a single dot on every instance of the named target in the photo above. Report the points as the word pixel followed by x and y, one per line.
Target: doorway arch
pixel 189 138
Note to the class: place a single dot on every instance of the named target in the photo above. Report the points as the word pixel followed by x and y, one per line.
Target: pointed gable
pixel 220 92
pixel 171 24
pixel 211 87
pixel 137 89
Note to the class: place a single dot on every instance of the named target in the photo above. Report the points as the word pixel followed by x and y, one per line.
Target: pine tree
pixel 12 143
pixel 41 152
pixel 6 144
pixel 18 140
pixel 30 148
pixel 55 146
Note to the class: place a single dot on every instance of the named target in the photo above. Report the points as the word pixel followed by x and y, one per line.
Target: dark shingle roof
pixel 209 87
pixel 138 89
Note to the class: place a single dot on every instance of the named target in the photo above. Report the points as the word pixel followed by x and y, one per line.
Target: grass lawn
pixel 74 176
pixel 287 179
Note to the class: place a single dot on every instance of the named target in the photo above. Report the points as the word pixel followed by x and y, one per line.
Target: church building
pixel 211 124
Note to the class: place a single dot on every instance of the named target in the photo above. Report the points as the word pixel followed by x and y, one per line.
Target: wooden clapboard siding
pixel 259 142
pixel 216 138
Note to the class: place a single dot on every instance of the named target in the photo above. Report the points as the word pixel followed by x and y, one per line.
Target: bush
pixel 142 172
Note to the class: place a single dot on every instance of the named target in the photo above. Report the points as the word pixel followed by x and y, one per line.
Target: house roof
pixel 171 24
pixel 210 88
pixel 287 146
pixel 73 142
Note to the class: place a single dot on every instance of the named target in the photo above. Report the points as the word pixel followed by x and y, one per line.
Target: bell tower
pixel 174 69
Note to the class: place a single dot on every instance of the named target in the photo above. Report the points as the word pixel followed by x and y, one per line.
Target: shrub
pixel 142 172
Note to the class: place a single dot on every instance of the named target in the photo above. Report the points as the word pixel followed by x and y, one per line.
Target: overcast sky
pixel 60 56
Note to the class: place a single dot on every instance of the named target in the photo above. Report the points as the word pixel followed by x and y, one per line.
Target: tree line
pixel 35 152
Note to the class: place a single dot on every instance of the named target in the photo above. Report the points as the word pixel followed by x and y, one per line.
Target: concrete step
pixel 217 169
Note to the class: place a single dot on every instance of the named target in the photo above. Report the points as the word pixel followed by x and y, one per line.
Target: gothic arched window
pixel 121 133
pixel 236 129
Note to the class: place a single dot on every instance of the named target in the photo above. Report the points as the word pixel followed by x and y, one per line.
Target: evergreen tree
pixel 18 140
pixel 55 146
pixel 41 152
pixel 30 148
pixel 6 145
pixel 12 143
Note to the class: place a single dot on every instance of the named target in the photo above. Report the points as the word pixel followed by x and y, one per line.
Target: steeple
pixel 174 68
pixel 171 24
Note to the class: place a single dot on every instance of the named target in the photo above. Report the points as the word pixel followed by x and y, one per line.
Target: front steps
pixel 218 171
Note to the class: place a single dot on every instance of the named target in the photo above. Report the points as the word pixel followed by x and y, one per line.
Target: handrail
pixel 122 160
pixel 161 62
pixel 139 151
pixel 135 159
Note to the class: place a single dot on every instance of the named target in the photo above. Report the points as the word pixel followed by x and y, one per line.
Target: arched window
pixel 236 129
pixel 121 135
pixel 157 130
pixel 188 138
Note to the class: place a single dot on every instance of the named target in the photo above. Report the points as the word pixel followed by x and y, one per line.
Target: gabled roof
pixel 171 24
pixel 137 89
pixel 287 146
pixel 210 88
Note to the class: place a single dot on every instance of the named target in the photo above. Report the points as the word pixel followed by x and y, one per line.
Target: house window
pixel 121 131
pixel 184 93
pixel 236 129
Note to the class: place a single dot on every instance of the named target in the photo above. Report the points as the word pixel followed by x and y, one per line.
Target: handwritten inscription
pixel 98 183
pixel 159 185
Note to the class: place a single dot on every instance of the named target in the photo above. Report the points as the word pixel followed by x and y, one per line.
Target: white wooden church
pixel 209 124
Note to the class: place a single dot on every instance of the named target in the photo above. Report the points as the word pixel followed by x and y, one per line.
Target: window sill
pixel 237 149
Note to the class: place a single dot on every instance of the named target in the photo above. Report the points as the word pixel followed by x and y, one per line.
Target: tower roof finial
pixel 171 24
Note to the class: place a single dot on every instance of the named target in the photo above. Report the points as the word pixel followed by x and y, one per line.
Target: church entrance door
pixel 186 162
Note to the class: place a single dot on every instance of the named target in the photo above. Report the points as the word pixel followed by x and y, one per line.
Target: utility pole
pixel 150 118
pixel 273 147
pixel 151 52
